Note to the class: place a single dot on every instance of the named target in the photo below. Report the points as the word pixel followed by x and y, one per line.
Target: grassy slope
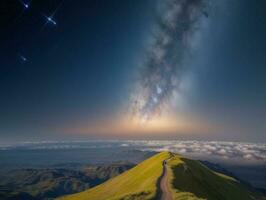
pixel 190 180
pixel 137 183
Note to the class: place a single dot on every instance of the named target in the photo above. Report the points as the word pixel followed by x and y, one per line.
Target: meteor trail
pixel 25 5
pixel 22 58
pixel 50 20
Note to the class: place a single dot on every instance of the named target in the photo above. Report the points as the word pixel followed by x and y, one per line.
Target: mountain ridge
pixel 188 180
pixel 49 183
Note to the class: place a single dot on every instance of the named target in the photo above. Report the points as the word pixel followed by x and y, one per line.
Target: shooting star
pixel 22 58
pixel 50 20
pixel 24 4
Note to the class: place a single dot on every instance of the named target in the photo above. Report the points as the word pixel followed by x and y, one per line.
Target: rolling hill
pixel 138 183
pixel 187 180
pixel 49 183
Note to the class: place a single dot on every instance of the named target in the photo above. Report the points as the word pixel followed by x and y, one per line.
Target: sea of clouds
pixel 207 150
pixel 238 151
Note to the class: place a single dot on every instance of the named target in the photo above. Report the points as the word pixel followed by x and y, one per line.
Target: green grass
pixel 137 183
pixel 188 180
pixel 191 180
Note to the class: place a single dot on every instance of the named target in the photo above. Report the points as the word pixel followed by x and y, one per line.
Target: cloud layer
pixel 208 149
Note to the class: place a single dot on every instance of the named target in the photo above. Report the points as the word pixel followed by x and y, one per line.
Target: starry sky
pixel 183 69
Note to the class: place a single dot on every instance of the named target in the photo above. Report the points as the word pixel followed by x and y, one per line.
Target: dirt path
pixel 166 193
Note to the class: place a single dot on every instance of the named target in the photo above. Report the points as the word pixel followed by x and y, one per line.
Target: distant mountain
pixel 40 184
pixel 218 168
pixel 105 172
pixel 187 180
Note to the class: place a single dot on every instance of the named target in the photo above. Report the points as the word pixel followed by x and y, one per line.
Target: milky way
pixel 177 22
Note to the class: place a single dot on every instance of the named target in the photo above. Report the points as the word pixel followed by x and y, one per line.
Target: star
pixel 50 20
pixel 24 4
pixel 22 58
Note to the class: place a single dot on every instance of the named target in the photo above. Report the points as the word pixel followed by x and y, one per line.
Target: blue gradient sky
pixel 82 70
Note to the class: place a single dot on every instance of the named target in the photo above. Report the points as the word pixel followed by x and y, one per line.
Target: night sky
pixel 70 68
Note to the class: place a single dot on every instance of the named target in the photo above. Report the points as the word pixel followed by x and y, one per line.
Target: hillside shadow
pixel 193 177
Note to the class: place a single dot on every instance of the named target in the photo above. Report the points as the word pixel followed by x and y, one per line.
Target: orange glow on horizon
pixel 156 126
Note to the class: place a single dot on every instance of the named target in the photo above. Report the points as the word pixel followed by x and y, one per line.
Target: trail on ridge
pixel 164 187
